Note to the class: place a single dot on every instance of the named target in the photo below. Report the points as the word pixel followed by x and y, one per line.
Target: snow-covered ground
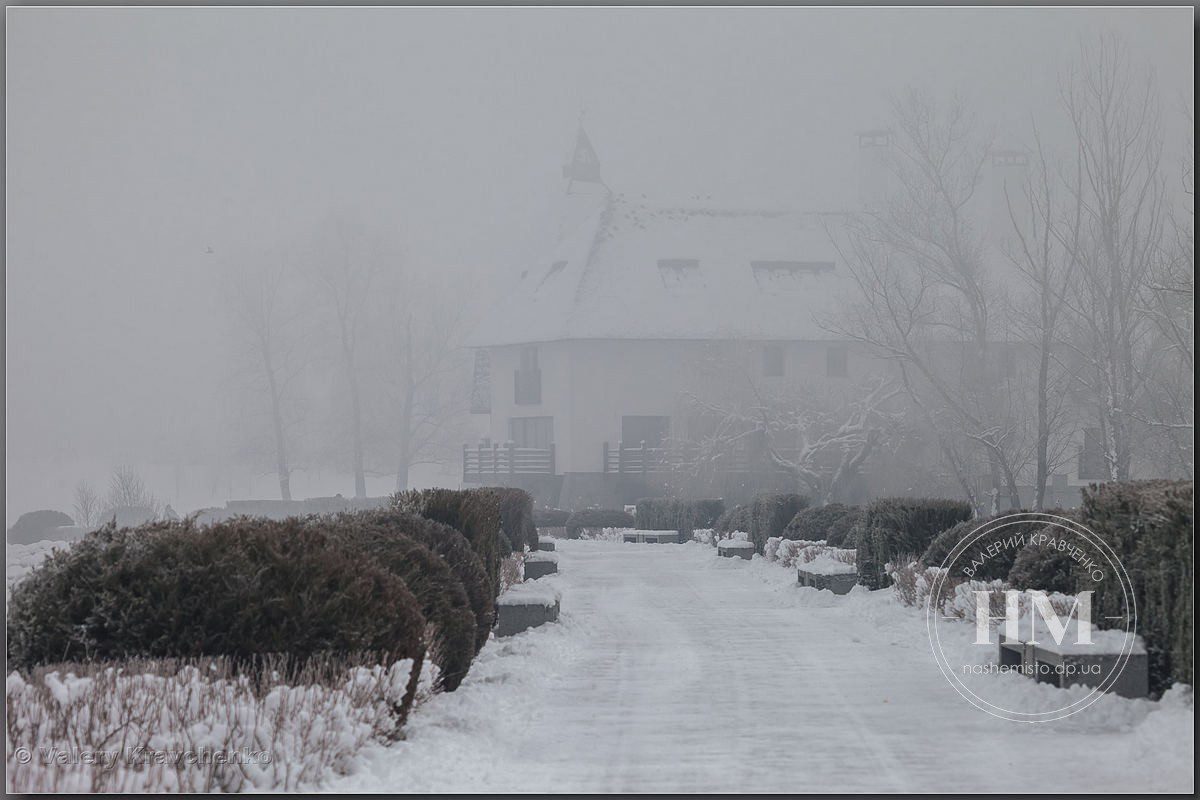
pixel 674 670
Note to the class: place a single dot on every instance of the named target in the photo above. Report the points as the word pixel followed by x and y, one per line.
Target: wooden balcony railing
pixel 485 461
pixel 640 459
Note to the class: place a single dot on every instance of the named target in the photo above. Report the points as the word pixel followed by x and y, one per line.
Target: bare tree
pixel 347 264
pixel 127 490
pixel 426 379
pixel 87 504
pixel 822 435
pixel 1114 115
pixel 1169 411
pixel 256 299
pixel 1044 255
pixel 927 301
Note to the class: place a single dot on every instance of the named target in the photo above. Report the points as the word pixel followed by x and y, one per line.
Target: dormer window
pixel 679 272
pixel 779 275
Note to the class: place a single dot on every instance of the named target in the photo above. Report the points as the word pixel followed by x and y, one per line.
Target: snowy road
pixel 673 670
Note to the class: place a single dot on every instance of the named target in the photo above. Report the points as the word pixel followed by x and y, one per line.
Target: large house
pixel 590 370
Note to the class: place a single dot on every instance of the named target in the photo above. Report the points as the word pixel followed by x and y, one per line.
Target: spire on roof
pixel 585 165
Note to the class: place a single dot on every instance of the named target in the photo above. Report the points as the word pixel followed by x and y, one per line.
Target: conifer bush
pixel 475 513
pixel 597 518
pixel 830 523
pixel 447 609
pixel 900 526
pixel 241 588
pixel 770 514
pixel 670 514
pixel 1149 525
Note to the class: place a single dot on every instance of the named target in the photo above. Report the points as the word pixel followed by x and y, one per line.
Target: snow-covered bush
pixel 198 725
pixel 793 553
pixel 914 584
pixel 510 571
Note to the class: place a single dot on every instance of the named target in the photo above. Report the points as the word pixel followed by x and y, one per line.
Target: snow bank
pixel 542 555
pixel 814 556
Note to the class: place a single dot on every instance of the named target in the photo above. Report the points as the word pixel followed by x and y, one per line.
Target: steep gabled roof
pixel 629 270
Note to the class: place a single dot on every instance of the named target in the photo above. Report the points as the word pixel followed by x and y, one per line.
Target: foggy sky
pixel 139 138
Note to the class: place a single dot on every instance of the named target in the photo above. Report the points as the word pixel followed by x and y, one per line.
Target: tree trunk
pixel 281 463
pixel 360 477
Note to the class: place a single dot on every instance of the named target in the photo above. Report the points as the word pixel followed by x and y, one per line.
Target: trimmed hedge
pixel 241 588
pixel 1038 566
pixel 597 518
pixel 1149 525
pixel 475 513
pixel 831 523
pixel 669 514
pixel 454 548
pixel 770 514
pixel 996 565
pixel 516 518
pixel 550 517
pixel 896 526
pixel 734 519
pixel 384 540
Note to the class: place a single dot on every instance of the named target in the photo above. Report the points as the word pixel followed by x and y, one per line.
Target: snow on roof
pixel 629 270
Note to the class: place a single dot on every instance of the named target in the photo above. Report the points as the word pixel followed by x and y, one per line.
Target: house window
pixel 527 380
pixel 773 361
pixel 535 432
pixel 1092 464
pixel 679 272
pixel 651 430
pixel 837 362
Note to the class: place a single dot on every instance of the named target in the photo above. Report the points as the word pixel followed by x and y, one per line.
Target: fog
pixel 154 153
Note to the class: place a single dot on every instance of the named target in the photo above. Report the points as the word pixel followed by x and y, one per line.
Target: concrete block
pixel 514 617
pixel 735 548
pixel 840 583
pixel 538 564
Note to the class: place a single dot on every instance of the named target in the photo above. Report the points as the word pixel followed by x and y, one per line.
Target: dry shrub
pixel 510 571
pixel 197 725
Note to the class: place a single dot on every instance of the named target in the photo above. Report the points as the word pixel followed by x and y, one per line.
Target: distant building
pixel 583 370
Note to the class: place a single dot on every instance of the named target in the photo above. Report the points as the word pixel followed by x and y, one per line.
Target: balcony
pixel 488 462
pixel 642 460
